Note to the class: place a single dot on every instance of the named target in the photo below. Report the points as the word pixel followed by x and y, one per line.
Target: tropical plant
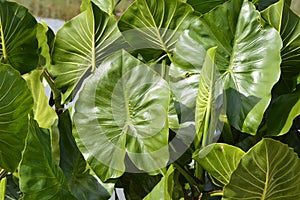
pixel 173 100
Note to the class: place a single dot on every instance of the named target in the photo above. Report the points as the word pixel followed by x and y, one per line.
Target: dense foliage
pixel 175 99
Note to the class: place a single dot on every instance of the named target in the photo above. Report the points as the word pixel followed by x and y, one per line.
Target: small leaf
pixel 270 170
pixel 15 104
pixel 219 160
pixel 19 46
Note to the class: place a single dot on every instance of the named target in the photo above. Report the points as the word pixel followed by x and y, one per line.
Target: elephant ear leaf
pixel 80 47
pixel 126 113
pixel 287 23
pixel 247 55
pixel 16 103
pixel 44 178
pixel 270 170
pixel 19 46
pixel 105 5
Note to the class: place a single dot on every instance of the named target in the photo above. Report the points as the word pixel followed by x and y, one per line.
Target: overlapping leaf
pixel 126 104
pixel 18 43
pixel 105 5
pixel 81 183
pixel 155 24
pixel 268 171
pixel 80 47
pixel 248 58
pixel 287 23
pixel 219 160
pixel 204 6
pixel 15 104
pixel 40 178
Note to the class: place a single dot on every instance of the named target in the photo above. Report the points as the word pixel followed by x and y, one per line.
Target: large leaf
pixel 247 55
pixel 15 104
pixel 40 178
pixel 123 108
pixel 203 6
pixel 19 46
pixel 206 116
pixel 105 5
pixel 281 17
pixel 81 183
pixel 155 24
pixel 164 189
pixel 282 112
pixel 80 47
pixel 270 170
pixel 219 160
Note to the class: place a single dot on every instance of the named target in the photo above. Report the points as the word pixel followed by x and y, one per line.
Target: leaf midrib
pixel 3 41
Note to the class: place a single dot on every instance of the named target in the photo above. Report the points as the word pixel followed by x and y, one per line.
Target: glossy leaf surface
pixel 155 24
pixel 267 171
pixel 219 160
pixel 287 23
pixel 40 178
pixel 80 47
pixel 81 183
pixel 127 108
pixel 247 56
pixel 19 46
pixel 15 104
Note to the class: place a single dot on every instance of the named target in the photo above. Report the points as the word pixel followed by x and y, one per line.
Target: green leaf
pixel 205 115
pixel 155 24
pixel 248 55
pixel 19 46
pixel 40 178
pixel 2 188
pixel 270 170
pixel 80 47
pixel 123 108
pixel 164 189
pixel 80 182
pixel 204 6
pixel 219 160
pixel 282 112
pixel 105 5
pixel 43 113
pixel 15 104
pixel 287 23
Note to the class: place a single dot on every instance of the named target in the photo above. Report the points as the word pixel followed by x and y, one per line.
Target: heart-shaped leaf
pixel 248 54
pixel 15 104
pixel 105 5
pixel 219 160
pixel 270 170
pixel 123 109
pixel 19 46
pixel 80 47
pixel 203 6
pixel 155 24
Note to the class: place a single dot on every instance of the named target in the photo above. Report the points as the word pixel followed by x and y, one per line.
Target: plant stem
pixel 3 173
pixel 189 177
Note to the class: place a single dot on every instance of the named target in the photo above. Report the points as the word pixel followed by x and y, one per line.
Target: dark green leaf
pixel 40 178
pixel 19 46
pixel 203 6
pixel 15 104
pixel 287 23
pixel 123 108
pixel 81 183
pixel 270 170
